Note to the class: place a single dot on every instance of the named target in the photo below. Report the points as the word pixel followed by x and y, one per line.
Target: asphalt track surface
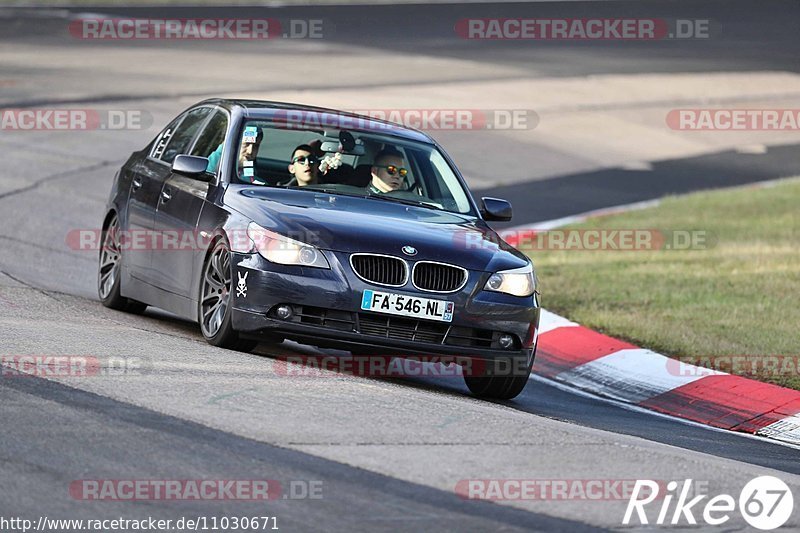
pixel 389 452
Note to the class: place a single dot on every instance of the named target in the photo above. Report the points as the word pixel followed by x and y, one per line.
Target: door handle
pixel 166 195
pixel 137 182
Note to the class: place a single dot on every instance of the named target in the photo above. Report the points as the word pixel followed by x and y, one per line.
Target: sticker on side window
pixel 250 134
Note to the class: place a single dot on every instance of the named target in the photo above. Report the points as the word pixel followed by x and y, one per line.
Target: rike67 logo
pixel 765 503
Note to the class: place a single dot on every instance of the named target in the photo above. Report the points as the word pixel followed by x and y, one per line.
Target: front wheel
pixel 214 307
pixel 499 387
pixel 108 272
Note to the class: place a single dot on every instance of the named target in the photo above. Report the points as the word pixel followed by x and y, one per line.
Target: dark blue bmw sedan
pixel 264 221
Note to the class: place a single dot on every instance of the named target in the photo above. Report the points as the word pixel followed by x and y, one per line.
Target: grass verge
pixel 732 303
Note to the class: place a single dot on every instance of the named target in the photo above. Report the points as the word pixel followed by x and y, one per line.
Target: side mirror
pixel 192 166
pixel 495 209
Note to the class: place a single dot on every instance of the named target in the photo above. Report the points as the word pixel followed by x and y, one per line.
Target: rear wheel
pixel 108 272
pixel 214 308
pixel 499 387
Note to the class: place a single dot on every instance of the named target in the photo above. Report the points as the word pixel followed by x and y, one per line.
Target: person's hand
pixel 330 162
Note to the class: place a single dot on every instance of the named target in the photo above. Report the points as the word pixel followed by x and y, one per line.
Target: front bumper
pixel 328 314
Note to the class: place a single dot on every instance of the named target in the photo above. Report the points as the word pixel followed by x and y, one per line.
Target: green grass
pixel 740 296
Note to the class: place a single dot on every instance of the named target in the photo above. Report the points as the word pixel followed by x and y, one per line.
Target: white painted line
pixel 635 206
pixel 753 149
pixel 89 16
pixel 580 217
pixel 637 165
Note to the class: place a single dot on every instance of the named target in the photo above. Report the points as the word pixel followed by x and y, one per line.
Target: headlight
pixel 517 282
pixel 279 249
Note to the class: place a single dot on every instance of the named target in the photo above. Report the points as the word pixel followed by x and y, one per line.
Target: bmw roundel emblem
pixel 409 250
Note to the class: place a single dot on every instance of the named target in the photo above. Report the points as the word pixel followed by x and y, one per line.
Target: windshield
pixel 351 163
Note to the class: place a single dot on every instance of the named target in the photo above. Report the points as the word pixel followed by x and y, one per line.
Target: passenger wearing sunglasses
pixel 388 172
pixel 304 167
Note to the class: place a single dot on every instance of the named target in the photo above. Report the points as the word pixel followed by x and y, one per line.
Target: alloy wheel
pixel 216 290
pixel 109 259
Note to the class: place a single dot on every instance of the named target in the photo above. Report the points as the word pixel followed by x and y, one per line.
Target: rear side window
pixel 182 137
pixel 163 138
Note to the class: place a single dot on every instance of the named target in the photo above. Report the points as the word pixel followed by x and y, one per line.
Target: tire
pixel 500 387
pixel 108 272
pixel 214 307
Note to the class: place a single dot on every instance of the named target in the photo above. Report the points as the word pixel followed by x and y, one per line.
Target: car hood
pixel 353 224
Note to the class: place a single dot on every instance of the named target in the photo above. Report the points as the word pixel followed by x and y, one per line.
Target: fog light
pixel 283 312
pixel 506 341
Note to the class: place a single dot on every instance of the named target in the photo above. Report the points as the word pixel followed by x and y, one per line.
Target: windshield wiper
pixel 325 190
pixel 312 188
pixel 353 194
pixel 406 201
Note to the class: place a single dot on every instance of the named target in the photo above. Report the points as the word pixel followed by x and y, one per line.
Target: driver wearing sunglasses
pixel 388 172
pixel 304 167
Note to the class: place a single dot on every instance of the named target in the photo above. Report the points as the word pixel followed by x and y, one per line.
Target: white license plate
pixel 404 305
